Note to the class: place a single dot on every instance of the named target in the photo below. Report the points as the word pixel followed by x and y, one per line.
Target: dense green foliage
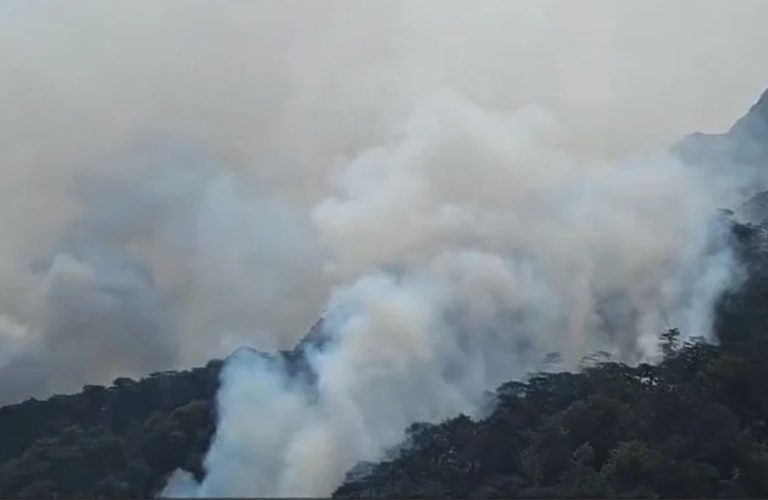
pixel 693 425
pixel 118 441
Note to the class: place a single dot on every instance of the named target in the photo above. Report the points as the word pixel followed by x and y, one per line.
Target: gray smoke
pixel 492 245
pixel 458 188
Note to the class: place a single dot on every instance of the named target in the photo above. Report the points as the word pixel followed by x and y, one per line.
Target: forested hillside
pixel 117 441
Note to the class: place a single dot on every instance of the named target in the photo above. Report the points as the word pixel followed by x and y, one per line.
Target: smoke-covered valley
pixel 458 191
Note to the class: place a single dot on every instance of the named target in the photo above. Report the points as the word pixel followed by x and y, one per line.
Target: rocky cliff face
pixel 744 145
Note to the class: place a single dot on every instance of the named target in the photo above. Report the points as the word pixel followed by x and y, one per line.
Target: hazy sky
pixel 177 176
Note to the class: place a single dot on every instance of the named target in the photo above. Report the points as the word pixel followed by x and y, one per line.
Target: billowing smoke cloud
pixel 492 246
pixel 183 178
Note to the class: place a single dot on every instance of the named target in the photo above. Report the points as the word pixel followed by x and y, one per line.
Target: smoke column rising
pixel 491 246
pixel 458 188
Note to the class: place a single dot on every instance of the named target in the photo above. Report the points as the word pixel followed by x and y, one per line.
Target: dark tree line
pixel 692 426
pixel 118 441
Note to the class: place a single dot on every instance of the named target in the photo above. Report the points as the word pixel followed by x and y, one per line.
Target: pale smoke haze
pixel 493 246
pixel 462 187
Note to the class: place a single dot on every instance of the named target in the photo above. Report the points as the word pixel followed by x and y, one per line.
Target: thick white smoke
pixel 183 178
pixel 492 245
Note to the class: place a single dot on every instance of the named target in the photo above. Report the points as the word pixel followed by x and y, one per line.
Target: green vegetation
pixel 692 426
pixel 119 441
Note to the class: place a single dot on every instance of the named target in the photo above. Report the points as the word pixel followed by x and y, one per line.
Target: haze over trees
pixel 466 249
pixel 693 425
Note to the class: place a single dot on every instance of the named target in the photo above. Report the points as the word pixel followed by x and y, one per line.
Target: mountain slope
pixel 744 145
pixel 117 441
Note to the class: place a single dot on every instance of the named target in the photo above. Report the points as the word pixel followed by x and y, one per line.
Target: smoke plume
pixel 457 189
pixel 491 246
